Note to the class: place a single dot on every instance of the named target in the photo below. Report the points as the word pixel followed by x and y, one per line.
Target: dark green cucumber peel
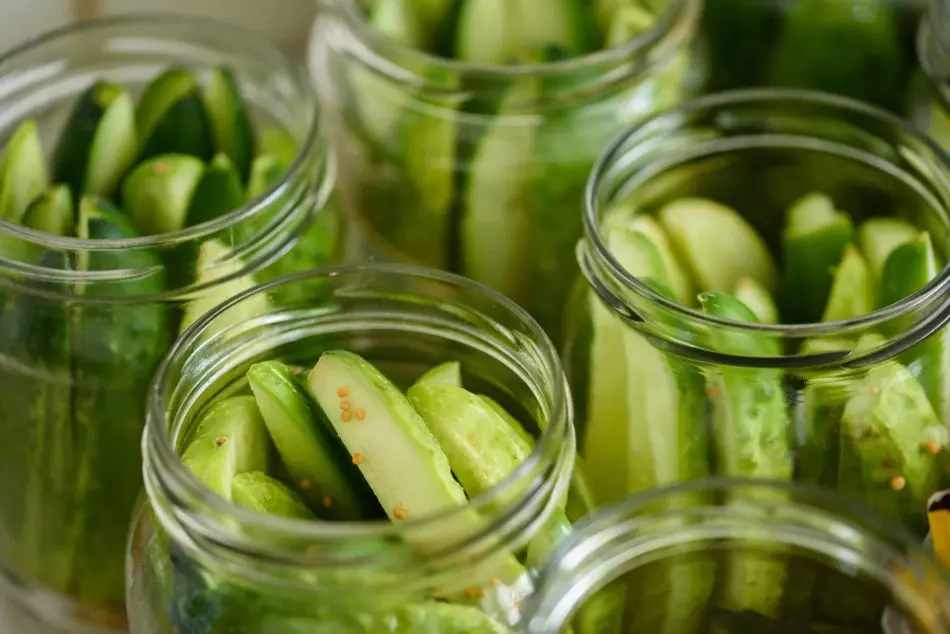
pixel 219 192
pixel 123 342
pixel 99 143
pixel 230 120
pixel 158 192
pixel 309 448
pixel 171 117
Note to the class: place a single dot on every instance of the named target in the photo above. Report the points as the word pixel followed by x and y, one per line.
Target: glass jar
pixel 432 174
pixel 667 391
pixel 201 564
pixel 675 559
pixel 931 98
pixel 84 323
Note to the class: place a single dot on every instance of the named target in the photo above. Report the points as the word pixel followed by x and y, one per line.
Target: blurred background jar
pixel 841 384
pixel 199 563
pixel 85 321
pixel 930 105
pixel 733 556
pixel 465 136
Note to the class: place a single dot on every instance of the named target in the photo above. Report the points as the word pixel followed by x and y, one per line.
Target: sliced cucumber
pixel 171 118
pixel 494 208
pixel 317 463
pixel 231 438
pixel 487 32
pixel 158 192
pixel 23 174
pixel 852 292
pixel 218 193
pixel 448 373
pixel 627 22
pixel 679 279
pixel 52 212
pixel 524 438
pixel 259 492
pixel 216 261
pixel 266 170
pixel 877 237
pixel 397 453
pixel 758 300
pixel 735 252
pixel 280 143
pixel 230 121
pixel 814 241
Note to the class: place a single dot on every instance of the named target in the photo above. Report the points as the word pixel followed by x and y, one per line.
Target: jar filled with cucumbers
pixel 394 453
pixel 149 169
pixel 686 560
pixel 930 100
pixel 765 296
pixel 466 129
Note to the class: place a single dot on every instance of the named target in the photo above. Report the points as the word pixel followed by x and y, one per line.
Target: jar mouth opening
pixel 641 530
pixel 937 288
pixel 183 24
pixel 158 445
pixel 674 13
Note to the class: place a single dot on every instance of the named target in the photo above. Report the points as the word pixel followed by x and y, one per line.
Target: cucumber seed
pixel 327 501
pixel 400 513
pixel 360 414
pixel 932 447
pixel 345 416
pixel 474 593
pixel 898 483
pixel 344 404
pixel 342 391
pixel 357 459
pixel 220 440
pixel 305 484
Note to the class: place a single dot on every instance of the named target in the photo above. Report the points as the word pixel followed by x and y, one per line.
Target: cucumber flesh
pixel 814 241
pixel 448 373
pixel 23 174
pixel 852 292
pixel 315 460
pixel 526 439
pixel 218 193
pixel 52 212
pixel 266 170
pixel 758 300
pixel 280 143
pixel 230 120
pixel 679 280
pixel 158 192
pixel 259 492
pixel 877 237
pixel 171 118
pixel 487 32
pixel 216 261
pixel 718 246
pixel 231 438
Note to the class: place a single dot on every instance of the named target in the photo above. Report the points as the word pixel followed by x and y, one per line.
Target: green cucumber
pixel 908 269
pixel 230 120
pixel 627 22
pixel 216 261
pixel 171 117
pixel 259 492
pixel 52 212
pixel 494 205
pixel 397 453
pixel 751 428
pixel 758 300
pixel 279 143
pixel 526 439
pixel 23 174
pixel 448 373
pixel 158 192
pixel 717 264
pixel 877 237
pixel 318 464
pixel 99 144
pixel 487 32
pixel 116 347
pixel 218 193
pixel 852 291
pixel 266 171
pixel 813 241
pixel 678 278
pixel 230 438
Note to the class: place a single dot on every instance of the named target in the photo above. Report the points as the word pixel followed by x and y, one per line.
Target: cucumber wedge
pixel 52 212
pixel 318 464
pixel 494 207
pixel 216 261
pixel 266 171
pixel 524 438
pixel 123 341
pixel 230 438
pixel 678 278
pixel 219 192
pixel 814 241
pixel 852 292
pixel 751 428
pixel 230 121
pixel 877 237
pixel 99 144
pixel 908 269
pixel 488 32
pixel 758 300
pixel 627 22
pixel 259 492
pixel 717 245
pixel 397 453
pixel 171 118
pixel 279 143
pixel 448 373
pixel 23 174
pixel 158 192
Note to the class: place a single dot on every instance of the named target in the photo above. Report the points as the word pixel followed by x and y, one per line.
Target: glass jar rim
pixel 156 443
pixel 934 290
pixel 602 533
pixel 671 16
pixel 206 229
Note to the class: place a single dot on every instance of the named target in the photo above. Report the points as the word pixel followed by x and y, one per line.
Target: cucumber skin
pixel 111 376
pixel 183 129
pixel 240 148
pixel 219 192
